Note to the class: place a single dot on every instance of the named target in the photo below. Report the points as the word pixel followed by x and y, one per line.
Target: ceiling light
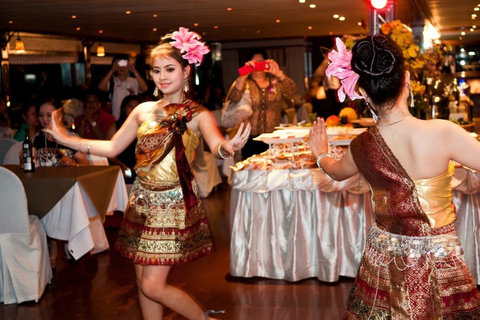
pixel 379 4
pixel 229 9
pixel 196 24
pixel 19 45
pixel 462 49
pixel 78 29
pixel 474 16
pixel 100 50
pixel 155 15
pixel 74 17
pixel 476 9
pixel 154 29
pixel 471 53
pixel 342 18
pixel 100 31
pixel 215 27
pixel 10 22
pixel 359 23
pixel 128 12
pixel 471 29
pixel 277 21
pixel 310 27
pixel 462 33
pixel 336 16
pixel 301 1
pixel 313 6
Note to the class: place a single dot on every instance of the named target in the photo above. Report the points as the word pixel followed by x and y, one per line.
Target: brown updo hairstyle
pixel 165 49
pixel 379 62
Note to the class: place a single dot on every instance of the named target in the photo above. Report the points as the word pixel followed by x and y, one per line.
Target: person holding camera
pixel 268 85
pixel 119 84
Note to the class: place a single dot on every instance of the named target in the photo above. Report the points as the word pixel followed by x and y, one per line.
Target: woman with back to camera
pixel 267 89
pixel 413 266
pixel 164 224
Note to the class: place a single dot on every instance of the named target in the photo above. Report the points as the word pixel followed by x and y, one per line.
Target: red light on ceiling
pixel 378 4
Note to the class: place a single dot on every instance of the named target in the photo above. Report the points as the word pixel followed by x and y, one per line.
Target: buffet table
pixel 298 223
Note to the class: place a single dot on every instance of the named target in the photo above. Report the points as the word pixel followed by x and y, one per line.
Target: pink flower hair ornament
pixel 188 42
pixel 340 67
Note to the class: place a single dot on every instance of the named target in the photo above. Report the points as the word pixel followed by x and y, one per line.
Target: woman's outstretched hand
pixel 239 140
pixel 318 139
pixel 56 129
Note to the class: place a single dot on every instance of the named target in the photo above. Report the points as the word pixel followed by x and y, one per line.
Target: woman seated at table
pixel 47 151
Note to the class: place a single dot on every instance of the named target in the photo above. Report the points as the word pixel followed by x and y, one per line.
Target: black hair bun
pixel 372 56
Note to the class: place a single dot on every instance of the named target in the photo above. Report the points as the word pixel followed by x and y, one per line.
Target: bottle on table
pixel 27 150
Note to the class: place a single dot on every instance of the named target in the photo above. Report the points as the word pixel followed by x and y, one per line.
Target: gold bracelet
pixel 220 152
pixel 319 159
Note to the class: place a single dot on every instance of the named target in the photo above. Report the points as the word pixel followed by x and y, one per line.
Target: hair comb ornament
pixel 188 43
pixel 340 67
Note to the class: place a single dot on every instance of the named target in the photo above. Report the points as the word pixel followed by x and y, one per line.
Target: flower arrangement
pixel 417 63
pixel 188 42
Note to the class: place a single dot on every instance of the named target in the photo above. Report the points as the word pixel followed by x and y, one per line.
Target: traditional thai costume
pixel 164 223
pixel 413 266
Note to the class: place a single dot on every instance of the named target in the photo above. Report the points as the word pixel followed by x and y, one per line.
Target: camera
pixel 128 173
pixel 122 63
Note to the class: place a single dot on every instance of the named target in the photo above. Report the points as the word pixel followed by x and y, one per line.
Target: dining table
pixel 295 224
pixel 72 202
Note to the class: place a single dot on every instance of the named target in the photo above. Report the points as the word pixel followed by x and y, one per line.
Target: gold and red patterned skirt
pixel 158 230
pixel 402 277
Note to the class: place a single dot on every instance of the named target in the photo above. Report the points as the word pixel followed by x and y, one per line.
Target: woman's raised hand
pixel 239 140
pixel 318 139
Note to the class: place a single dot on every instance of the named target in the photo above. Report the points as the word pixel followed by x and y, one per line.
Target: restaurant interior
pixel 288 239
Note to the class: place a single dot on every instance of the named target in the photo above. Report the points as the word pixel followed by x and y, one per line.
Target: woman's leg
pixel 154 289
pixel 150 309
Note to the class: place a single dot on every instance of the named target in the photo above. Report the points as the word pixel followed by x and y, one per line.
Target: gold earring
pixel 185 85
pixel 412 101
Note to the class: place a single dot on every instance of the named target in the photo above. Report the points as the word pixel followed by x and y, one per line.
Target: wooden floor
pixel 102 286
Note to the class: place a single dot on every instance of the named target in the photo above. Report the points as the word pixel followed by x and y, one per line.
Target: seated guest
pixel 94 123
pixel 126 159
pixel 30 120
pixel 47 150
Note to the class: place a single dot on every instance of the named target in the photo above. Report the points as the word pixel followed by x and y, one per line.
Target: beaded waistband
pixel 157 185
pixel 414 247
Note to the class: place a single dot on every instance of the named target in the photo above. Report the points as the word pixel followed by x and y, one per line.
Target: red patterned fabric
pixel 396 286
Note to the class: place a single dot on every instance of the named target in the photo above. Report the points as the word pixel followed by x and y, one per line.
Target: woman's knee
pixel 152 290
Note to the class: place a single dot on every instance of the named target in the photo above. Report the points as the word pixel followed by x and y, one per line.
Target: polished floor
pixel 102 286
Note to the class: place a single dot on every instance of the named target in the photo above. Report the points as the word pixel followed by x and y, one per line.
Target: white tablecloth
pixel 75 219
pixel 297 224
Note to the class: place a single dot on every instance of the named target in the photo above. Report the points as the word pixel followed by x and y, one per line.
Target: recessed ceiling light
pixel 462 33
pixel 330 33
pixel 100 31
pixel 336 16
pixel 155 15
pixel 258 31
pixel 471 29
pixel 301 1
pixel 196 24
pixel 10 22
pixel 313 6
pixel 277 21
pixel 310 27
pixel 154 29
pixel 215 27
pixel 359 23
pixel 78 29
pixel 474 26
pixel 342 18
pixel 128 12
pixel 74 17
pixel 476 9
pixel 229 9
pixel 474 16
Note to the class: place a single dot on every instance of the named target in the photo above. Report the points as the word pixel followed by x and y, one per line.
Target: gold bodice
pixel 435 197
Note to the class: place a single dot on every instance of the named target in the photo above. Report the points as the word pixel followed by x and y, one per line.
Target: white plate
pixel 366 122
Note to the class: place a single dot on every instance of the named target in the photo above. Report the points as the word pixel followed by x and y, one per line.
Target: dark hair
pixel 379 62
pixel 165 49
pixel 48 99
pixel 92 92
pixel 32 101
pixel 255 51
pixel 123 106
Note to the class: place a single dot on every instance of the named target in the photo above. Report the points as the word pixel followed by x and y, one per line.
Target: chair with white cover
pixel 25 268
pixel 5 145
pixel 13 154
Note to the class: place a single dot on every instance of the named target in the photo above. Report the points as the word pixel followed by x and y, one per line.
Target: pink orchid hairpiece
pixel 188 42
pixel 340 67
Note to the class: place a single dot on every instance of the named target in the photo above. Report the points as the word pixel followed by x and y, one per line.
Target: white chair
pixel 97 160
pixel 25 268
pixel 13 154
pixel 5 145
pixel 205 171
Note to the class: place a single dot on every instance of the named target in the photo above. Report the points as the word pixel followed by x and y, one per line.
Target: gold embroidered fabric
pixel 157 228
